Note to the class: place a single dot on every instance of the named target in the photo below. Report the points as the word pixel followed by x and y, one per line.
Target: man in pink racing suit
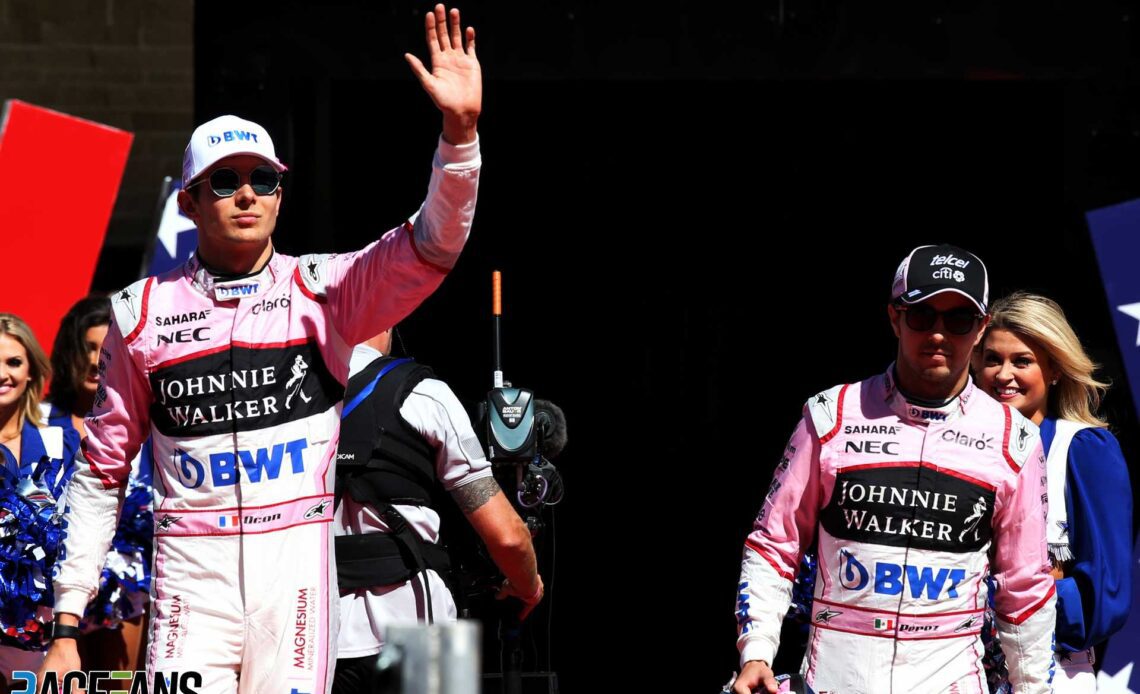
pixel 915 486
pixel 235 365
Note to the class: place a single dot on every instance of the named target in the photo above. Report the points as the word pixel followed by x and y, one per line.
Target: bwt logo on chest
pixel 261 464
pixel 232 136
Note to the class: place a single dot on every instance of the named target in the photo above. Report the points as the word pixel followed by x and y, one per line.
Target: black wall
pixel 698 217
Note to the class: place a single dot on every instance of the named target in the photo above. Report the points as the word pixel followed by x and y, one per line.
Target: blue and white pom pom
pixel 31 538
pixel 803 589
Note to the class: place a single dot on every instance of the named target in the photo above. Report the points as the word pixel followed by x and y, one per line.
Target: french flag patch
pixel 233 522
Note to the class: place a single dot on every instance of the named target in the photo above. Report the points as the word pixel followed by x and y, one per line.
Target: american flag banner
pixel 1115 234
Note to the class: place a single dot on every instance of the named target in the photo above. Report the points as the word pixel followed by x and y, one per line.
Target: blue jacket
pixel 1095 595
pixel 35 458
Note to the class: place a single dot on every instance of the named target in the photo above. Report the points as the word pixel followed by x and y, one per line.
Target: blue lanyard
pixel 367 390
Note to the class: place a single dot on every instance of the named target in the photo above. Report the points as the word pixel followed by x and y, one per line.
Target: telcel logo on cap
pixel 232 136
pixel 949 260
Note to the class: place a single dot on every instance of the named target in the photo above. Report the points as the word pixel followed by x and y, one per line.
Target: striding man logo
pixel 972 520
pixel 299 370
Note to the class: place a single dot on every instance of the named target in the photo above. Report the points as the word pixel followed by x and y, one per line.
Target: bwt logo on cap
pixel 232 136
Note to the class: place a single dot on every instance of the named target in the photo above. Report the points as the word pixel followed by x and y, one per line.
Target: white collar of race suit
pixel 920 412
pixel 233 289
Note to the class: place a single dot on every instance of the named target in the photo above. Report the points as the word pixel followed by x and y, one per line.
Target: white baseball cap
pixel 224 137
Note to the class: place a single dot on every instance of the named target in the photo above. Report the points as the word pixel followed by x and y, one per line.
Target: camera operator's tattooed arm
pixel 471 496
pixel 506 537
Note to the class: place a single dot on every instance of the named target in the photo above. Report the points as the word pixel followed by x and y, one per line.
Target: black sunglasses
pixel 225 181
pixel 958 321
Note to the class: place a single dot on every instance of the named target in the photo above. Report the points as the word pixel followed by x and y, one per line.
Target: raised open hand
pixel 455 82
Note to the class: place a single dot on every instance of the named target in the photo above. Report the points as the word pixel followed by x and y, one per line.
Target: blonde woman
pixel 28 450
pixel 1031 359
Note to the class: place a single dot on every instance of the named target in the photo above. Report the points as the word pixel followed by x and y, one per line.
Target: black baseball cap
pixel 931 270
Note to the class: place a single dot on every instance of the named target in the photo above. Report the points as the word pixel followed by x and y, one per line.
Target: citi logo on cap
pixel 948 274
pixel 232 136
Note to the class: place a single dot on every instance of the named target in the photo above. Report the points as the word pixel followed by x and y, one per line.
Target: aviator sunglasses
pixel 225 181
pixel 958 321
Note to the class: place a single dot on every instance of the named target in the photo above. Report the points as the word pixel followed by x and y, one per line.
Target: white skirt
pixel 1074 673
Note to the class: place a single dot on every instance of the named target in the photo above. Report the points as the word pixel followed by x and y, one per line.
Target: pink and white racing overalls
pixel 914 507
pixel 239 383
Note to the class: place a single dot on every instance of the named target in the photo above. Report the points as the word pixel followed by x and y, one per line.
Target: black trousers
pixel 356 675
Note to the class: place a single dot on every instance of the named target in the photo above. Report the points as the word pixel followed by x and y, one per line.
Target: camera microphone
pixel 551 423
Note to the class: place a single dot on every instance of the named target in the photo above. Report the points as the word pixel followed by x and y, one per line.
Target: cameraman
pixel 403 432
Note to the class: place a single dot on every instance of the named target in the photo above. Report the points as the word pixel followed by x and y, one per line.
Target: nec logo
pixel 259 465
pixel 185 335
pixel 874 447
pixel 232 136
pixel 891 579
pixel 930 415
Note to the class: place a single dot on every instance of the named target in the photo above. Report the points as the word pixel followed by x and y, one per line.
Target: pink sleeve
pixel 1021 555
pixel 120 417
pixel 373 289
pixel 784 527
pixel 786 522
pixel 1025 599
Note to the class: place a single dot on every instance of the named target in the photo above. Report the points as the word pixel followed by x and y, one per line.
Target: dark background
pixel 698 210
